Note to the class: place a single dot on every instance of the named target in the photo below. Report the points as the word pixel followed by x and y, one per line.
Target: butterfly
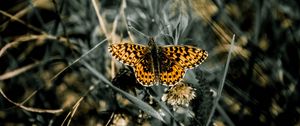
pixel 154 64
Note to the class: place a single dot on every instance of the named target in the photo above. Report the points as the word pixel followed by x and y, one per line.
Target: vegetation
pixel 55 68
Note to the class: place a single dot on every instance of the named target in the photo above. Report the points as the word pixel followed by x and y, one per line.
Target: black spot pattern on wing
pixel 170 71
pixel 128 53
pixel 144 70
pixel 186 56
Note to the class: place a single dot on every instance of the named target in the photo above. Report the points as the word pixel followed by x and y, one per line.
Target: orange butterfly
pixel 155 64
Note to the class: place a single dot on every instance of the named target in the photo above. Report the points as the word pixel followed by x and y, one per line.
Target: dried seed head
pixel 179 95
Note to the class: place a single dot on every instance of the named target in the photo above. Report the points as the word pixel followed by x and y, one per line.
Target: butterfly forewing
pixel 128 53
pixel 185 56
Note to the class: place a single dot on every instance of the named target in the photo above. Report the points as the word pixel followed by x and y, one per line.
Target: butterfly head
pixel 152 43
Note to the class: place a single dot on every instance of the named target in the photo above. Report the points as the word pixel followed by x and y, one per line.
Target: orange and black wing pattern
pixel 128 53
pixel 186 56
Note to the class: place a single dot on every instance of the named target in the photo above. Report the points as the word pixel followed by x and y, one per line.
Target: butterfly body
pixel 155 59
pixel 155 64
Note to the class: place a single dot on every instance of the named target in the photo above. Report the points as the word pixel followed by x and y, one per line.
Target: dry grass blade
pixel 75 108
pixel 100 18
pixel 30 109
pixel 22 22
pixel 13 73
pixel 110 119
pixel 30 38
pixel 17 42
pixel 71 113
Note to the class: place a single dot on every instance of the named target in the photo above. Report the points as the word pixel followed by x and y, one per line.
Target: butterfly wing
pixel 186 56
pixel 144 70
pixel 170 71
pixel 127 53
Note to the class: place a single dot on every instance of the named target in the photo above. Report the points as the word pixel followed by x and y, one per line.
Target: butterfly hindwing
pixel 128 53
pixel 186 56
pixel 170 71
pixel 144 71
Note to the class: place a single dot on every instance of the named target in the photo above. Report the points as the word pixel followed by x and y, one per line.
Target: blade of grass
pixel 224 115
pixel 220 88
pixel 71 114
pixel 137 102
pixel 78 59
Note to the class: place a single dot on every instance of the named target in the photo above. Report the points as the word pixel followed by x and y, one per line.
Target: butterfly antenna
pixel 131 28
